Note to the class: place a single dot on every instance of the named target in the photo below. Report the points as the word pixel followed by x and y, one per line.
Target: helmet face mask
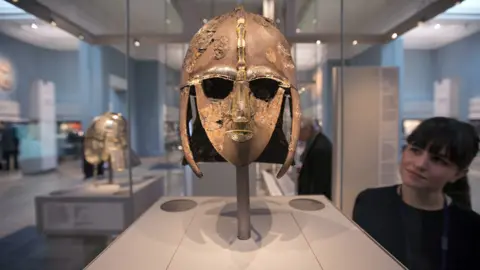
pixel 240 72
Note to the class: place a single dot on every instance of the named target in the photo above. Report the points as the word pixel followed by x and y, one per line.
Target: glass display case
pixel 69 139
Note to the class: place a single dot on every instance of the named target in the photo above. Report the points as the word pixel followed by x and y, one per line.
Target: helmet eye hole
pixel 217 88
pixel 264 89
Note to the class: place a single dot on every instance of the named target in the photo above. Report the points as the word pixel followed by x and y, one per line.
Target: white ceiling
pixel 456 23
pixel 45 36
pixel 159 16
pixel 50 37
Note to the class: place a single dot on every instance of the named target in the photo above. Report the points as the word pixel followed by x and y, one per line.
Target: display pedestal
pixel 187 233
pixel 78 222
pixel 96 207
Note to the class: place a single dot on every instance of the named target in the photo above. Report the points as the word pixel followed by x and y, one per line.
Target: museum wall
pixel 327 96
pixel 32 63
pixel 147 109
pixel 419 75
pixel 82 87
pixel 460 59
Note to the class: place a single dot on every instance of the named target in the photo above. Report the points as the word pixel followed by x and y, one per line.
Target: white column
pixel 269 9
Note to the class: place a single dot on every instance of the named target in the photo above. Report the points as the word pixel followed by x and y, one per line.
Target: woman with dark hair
pixel 426 222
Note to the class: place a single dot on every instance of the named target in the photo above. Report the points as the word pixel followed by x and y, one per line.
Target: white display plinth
pixel 205 237
pixel 96 207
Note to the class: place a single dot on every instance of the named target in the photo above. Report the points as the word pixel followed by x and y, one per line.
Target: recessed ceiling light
pixel 80 37
pixel 355 42
pixel 394 35
pixel 205 20
pixel 136 43
pixel 34 26
pixel 437 26
pixel 15 1
pixel 319 42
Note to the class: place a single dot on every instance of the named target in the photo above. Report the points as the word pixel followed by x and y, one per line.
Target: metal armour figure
pixel 106 140
pixel 240 70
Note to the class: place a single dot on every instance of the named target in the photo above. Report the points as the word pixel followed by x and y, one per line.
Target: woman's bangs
pixel 439 141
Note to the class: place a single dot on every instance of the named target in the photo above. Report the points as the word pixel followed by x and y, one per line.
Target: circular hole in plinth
pixel 306 204
pixel 178 205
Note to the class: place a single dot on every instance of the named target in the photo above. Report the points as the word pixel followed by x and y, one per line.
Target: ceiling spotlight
pixel 298 30
pixel 205 20
pixel 34 26
pixel 80 37
pixel 319 42
pixel 355 42
pixel 53 23
pixel 167 21
pixel 394 35
pixel 437 26
pixel 136 43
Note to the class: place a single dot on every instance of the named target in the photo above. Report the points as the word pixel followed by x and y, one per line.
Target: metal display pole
pixel 243 202
pixel 338 120
pixel 129 101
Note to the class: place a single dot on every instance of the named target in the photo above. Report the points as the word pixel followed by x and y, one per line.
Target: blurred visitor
pixel 10 146
pixel 315 175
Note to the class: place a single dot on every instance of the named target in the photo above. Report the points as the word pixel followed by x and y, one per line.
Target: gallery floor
pixel 20 245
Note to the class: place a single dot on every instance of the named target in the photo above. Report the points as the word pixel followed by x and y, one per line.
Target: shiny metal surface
pixel 106 140
pixel 240 47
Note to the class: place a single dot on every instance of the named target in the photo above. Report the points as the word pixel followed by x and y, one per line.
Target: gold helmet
pixel 240 70
pixel 106 140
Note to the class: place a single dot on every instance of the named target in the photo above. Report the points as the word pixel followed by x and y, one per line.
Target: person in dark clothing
pixel 426 222
pixel 10 146
pixel 316 173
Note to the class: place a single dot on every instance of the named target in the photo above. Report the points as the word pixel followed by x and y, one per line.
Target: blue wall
pixel 148 108
pixel 419 75
pixel 145 82
pixel 82 86
pixel 327 97
pixel 460 60
pixel 32 63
